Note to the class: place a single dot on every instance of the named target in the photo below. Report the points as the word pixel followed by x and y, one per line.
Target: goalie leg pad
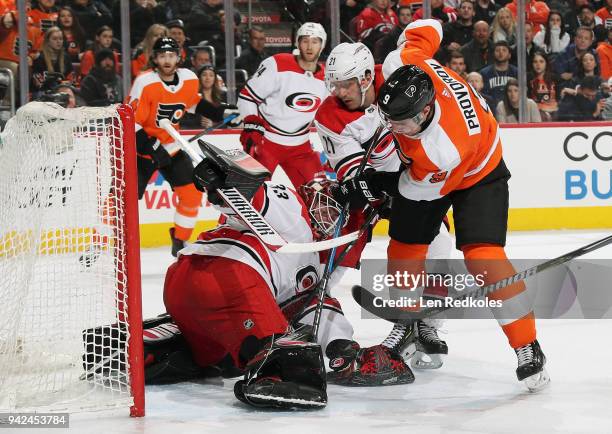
pixel 287 374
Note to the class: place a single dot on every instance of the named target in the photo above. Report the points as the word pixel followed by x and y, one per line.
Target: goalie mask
pixel 323 209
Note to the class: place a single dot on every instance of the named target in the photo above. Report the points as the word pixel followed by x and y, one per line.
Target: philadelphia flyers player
pixel 167 92
pixel 347 122
pixel 452 154
pixel 278 105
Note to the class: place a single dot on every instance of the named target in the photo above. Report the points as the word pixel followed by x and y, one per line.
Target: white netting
pixel 62 253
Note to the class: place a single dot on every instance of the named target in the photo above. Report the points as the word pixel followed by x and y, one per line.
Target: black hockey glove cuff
pixel 161 156
pixel 367 188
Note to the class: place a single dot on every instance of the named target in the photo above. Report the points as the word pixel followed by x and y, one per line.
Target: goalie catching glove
pixel 252 134
pixel 367 188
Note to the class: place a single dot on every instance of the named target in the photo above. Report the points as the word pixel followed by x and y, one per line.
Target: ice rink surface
pixel 476 390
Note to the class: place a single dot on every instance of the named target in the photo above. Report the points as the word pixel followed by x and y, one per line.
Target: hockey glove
pixel 147 145
pixel 252 134
pixel 367 188
pixel 208 177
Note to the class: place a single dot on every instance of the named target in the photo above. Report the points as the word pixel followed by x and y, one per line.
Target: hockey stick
pixel 322 287
pixel 397 315
pixel 214 127
pixel 249 215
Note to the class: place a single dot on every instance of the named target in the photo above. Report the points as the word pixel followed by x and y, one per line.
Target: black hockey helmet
pixel 405 93
pixel 165 44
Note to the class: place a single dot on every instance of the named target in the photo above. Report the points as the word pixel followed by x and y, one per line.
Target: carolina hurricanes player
pixel 167 92
pixel 278 104
pixel 347 122
pixel 449 143
pixel 231 296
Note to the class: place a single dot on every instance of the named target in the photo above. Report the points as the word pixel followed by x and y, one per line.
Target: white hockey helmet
pixel 348 61
pixel 313 30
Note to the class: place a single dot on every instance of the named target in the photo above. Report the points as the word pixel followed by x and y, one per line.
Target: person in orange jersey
pixel 448 141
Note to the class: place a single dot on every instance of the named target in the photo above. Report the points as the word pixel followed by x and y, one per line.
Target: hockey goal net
pixel 70 308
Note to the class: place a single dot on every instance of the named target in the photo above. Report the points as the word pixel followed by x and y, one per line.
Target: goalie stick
pixel 250 216
pixel 365 298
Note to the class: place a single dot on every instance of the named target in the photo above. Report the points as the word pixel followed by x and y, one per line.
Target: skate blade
pixel 427 361
pixel 282 402
pixel 537 381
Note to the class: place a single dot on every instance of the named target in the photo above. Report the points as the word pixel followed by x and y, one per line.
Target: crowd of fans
pixel 74 48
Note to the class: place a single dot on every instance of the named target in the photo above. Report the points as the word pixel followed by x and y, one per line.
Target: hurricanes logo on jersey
pixel 305 279
pixel 303 102
pixel 173 112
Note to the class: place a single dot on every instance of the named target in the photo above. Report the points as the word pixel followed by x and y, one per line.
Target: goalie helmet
pixel 323 209
pixel 347 61
pixel 315 30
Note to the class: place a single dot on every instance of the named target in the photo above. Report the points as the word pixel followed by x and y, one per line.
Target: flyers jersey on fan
pixel 285 96
pixel 153 100
pixel 461 145
pixel 346 134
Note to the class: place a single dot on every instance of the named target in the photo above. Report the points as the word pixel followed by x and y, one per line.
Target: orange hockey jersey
pixel 461 145
pixel 9 37
pixel 153 100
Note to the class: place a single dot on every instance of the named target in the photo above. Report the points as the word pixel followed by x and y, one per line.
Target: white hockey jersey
pixel 285 96
pixel 346 135
pixel 288 276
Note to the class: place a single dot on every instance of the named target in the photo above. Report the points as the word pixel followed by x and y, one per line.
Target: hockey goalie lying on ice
pixel 235 307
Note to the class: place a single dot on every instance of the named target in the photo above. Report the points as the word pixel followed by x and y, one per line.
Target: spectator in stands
pixel 543 86
pixel 104 40
pixel 587 18
pixel 605 14
pixel 255 53
pixel 143 14
pixel 176 30
pixel 102 86
pixel 375 21
pixel 553 38
pixel 496 76
pixel 530 46
pixel 456 62
pixel 587 67
pixel 210 89
pixel 604 52
pixel 507 110
pixel 566 63
pixel 388 42
pixel 177 9
pixel 218 40
pixel 349 9
pixel 53 64
pixel 536 12
pixel 9 34
pixel 200 55
pixel 74 37
pixel 475 79
pixel 204 23
pixel 504 27
pixel 606 113
pixel 478 52
pixel 458 33
pixel 140 62
pixel 439 11
pixel 485 10
pixel 586 105
pixel 92 14
pixel 70 91
pixel 44 14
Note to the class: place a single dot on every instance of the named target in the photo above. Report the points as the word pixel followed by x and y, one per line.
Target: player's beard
pixel 166 69
pixel 308 57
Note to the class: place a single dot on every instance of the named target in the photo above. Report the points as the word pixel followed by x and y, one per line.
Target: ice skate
pixel 530 370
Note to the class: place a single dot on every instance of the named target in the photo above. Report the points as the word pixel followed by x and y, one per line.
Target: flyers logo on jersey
pixel 303 102
pixel 438 177
pixel 173 112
